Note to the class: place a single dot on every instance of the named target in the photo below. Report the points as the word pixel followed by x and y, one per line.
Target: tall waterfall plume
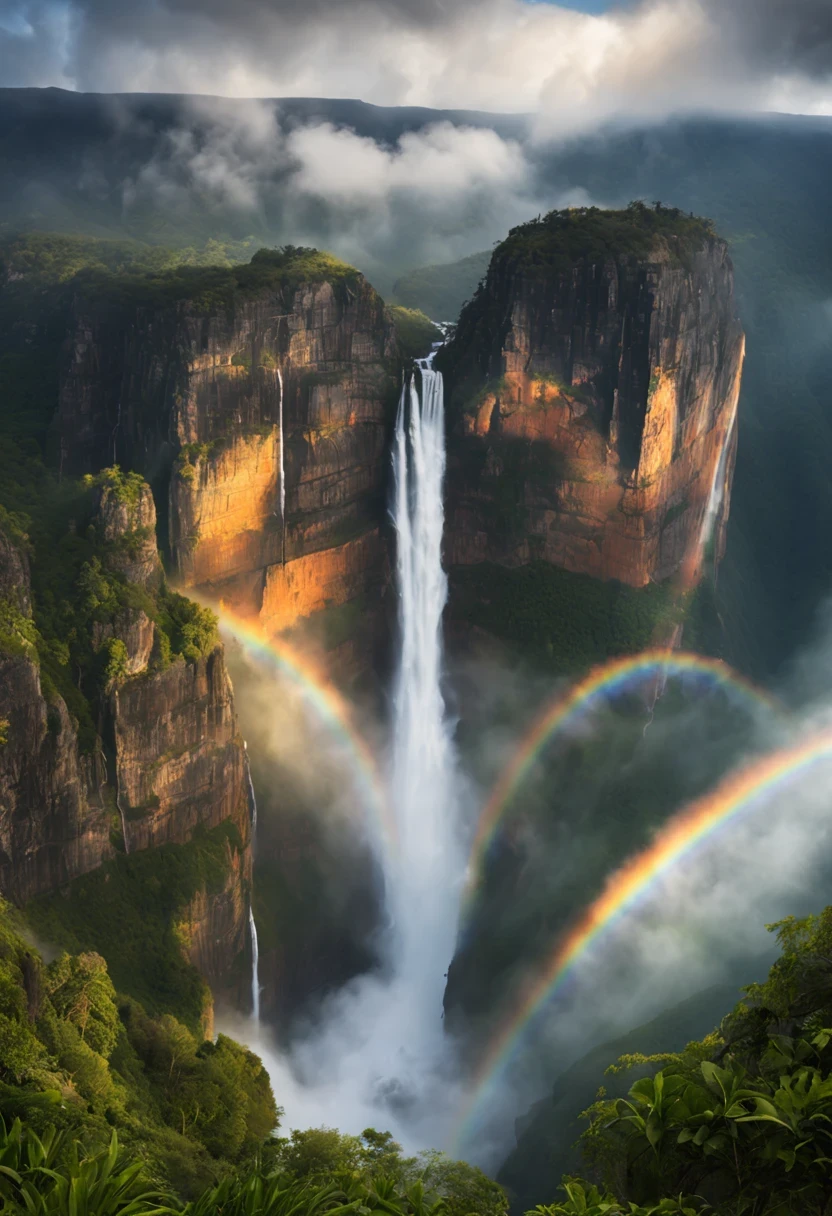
pixel 379 1056
pixel 424 891
pixel 282 470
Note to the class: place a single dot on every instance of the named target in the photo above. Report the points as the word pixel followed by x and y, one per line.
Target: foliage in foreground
pixel 741 1122
pixel 77 1056
pixel 316 1171
pixel 108 1110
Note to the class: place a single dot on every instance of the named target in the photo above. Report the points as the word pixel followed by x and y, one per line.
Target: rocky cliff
pixel 55 819
pixel 257 402
pixel 166 762
pixel 593 384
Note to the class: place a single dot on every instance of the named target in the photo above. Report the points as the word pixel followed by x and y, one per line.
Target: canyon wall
pixel 168 761
pixel 192 395
pixel 593 385
pixel 55 816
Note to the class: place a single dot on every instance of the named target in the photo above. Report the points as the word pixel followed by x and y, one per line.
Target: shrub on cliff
pixel 415 332
pixel 75 1055
pixel 556 241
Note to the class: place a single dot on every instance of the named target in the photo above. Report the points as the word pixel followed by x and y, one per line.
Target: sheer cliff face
pixel 54 822
pixel 192 397
pixel 168 760
pixel 593 414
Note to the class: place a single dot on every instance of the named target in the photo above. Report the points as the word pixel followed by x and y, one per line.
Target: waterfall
pixel 717 494
pixel 255 968
pixel 252 801
pixel 380 1056
pixel 255 949
pixel 424 890
pixel 282 470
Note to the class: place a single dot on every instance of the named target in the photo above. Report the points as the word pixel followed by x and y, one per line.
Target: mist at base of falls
pixel 376 1052
pixel 370 1048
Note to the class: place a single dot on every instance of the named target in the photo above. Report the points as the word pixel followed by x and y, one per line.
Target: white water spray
pixel 255 949
pixel 282 469
pixel 717 494
pixel 255 968
pixel 424 891
pixel 380 1056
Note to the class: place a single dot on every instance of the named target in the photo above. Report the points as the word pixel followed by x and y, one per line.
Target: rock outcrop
pixel 261 424
pixel 54 817
pixel 167 761
pixel 593 385
pixel 180 762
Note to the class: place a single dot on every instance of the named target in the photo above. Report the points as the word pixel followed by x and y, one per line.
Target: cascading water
pixel 424 890
pixel 282 470
pixel 252 801
pixel 255 949
pixel 717 494
pixel 379 1055
pixel 255 968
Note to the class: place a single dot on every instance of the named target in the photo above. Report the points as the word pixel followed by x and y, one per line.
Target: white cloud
pixel 651 57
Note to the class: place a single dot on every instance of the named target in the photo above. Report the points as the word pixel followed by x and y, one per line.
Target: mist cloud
pixel 432 195
pixel 647 58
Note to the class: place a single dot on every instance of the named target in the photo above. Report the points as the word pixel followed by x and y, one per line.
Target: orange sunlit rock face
pixel 607 424
pixel 329 578
pixel 200 392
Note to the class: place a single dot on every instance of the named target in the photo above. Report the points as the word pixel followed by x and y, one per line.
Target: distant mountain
pixel 188 170
pixel 440 291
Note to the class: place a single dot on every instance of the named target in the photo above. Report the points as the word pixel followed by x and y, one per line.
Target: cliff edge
pixel 592 385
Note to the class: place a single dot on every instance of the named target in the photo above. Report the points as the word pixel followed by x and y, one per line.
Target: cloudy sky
pixel 572 62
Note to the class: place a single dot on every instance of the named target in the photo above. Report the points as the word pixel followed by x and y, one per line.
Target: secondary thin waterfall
pixel 255 949
pixel 425 889
pixel 717 494
pixel 255 968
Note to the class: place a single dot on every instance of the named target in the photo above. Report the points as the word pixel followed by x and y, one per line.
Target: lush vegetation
pixel 81 592
pixel 315 1172
pixel 557 241
pixel 109 1110
pixel 132 911
pixel 741 1122
pixel 567 621
pixel 77 1056
pixel 51 257
pixel 440 291
pixel 130 273
pixel 416 332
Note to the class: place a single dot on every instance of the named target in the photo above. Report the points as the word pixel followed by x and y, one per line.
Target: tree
pixel 743 1120
pixel 465 1189
pixel 82 993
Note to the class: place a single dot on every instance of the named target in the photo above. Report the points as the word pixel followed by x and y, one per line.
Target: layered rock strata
pixel 261 426
pixel 54 816
pixel 594 405
pixel 168 761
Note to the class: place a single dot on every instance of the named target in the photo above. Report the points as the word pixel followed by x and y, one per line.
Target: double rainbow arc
pixel 330 708
pixel 600 684
pixel 738 795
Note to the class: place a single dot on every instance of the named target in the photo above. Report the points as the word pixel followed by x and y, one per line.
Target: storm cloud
pixel 647 58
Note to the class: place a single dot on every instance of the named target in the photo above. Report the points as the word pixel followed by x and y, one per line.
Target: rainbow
pixel 330 708
pixel 600 683
pixel 736 796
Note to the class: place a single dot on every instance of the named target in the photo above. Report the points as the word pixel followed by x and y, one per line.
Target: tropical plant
pixel 744 1119
pixel 47 1177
